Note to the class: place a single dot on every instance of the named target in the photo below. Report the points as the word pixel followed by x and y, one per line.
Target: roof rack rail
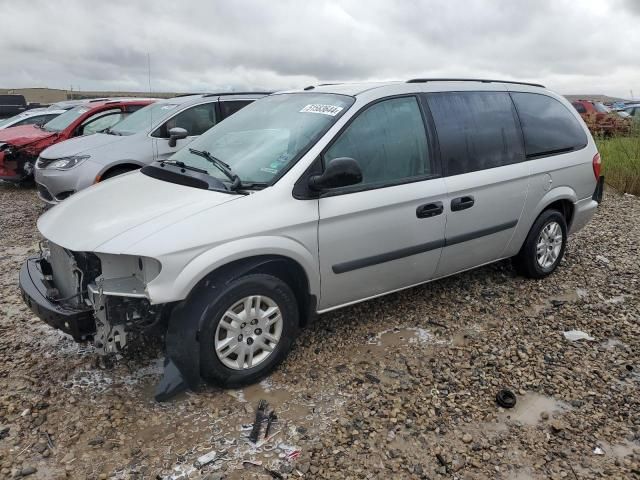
pixel 234 93
pixel 483 80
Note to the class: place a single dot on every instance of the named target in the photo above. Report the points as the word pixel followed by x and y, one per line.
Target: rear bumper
pixel 599 191
pixel 79 323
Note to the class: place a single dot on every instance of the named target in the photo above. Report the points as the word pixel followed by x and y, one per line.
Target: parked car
pixel 20 146
pixel 308 201
pixel 600 119
pixel 634 111
pixel 152 133
pixel 69 104
pixel 35 116
pixel 11 105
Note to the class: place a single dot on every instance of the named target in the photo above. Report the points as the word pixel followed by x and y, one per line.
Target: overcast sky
pixel 572 46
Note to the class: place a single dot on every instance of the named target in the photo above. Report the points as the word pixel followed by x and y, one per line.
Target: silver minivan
pixel 307 201
pixel 152 133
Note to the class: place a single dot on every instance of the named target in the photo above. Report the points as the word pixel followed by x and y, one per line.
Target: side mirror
pixel 340 172
pixel 175 134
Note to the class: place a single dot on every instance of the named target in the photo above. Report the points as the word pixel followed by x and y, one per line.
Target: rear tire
pixel 255 315
pixel 544 246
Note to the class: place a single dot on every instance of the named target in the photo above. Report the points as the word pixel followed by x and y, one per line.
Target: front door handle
pixel 429 210
pixel 462 203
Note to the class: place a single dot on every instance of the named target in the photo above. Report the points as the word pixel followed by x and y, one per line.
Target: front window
pixel 61 122
pixel 600 108
pixel 143 119
pixel 265 138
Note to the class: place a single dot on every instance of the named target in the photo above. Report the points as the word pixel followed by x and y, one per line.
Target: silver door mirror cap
pixel 175 134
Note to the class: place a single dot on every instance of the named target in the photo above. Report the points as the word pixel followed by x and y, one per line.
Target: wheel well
pixel 565 207
pixel 120 166
pixel 285 268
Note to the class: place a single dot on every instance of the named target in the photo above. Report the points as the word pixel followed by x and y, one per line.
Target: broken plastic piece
pixel 574 335
pixel 257 424
pixel 206 459
pixel 598 451
pixel 272 418
pixel 172 382
pixel 506 398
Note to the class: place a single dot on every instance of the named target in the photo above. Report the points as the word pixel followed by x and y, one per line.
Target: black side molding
pixel 425 247
pixel 599 191
pixel 465 237
pixel 386 257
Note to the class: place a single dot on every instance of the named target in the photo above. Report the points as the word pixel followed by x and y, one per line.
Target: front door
pixel 387 232
pixel 482 156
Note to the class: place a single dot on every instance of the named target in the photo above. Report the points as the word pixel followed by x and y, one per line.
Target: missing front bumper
pixel 77 322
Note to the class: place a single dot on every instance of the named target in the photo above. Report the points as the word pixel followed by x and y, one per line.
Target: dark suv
pixel 11 105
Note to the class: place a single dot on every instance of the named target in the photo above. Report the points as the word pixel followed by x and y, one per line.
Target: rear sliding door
pixel 482 151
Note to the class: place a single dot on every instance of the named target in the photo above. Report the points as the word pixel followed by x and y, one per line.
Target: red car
pixel 20 146
pixel 600 119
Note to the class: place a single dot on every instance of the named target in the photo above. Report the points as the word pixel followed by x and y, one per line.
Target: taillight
pixel 597 164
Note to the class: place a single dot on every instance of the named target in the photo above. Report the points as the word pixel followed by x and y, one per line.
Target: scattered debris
pixel 257 424
pixel 603 259
pixel 506 398
pixel 207 458
pixel 272 418
pixel 598 451
pixel 575 335
pixel 273 473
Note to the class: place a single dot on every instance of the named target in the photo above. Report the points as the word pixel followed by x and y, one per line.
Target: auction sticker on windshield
pixel 320 108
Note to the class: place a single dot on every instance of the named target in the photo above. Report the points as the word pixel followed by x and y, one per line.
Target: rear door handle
pixel 462 203
pixel 429 210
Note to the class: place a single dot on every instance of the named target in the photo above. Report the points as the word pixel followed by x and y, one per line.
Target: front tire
pixel 248 327
pixel 544 246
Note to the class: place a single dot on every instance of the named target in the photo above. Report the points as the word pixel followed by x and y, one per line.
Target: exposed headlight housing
pixel 65 163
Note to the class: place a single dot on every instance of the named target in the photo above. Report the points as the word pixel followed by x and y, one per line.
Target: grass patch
pixel 621 162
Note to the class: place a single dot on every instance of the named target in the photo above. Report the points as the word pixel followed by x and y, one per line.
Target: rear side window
pixel 579 107
pixel 476 130
pixel 228 108
pixel 388 140
pixel 549 127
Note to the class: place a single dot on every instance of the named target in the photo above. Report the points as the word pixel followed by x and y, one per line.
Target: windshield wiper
pixel 220 165
pixel 108 131
pixel 180 164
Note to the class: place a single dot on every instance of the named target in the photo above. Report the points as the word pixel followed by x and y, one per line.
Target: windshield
pixel 143 119
pixel 67 118
pixel 15 118
pixel 264 138
pixel 601 108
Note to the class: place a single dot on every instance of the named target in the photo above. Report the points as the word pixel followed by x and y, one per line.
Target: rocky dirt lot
pixel 399 387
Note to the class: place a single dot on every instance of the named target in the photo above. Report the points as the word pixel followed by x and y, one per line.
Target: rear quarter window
pixel 548 126
pixel 476 130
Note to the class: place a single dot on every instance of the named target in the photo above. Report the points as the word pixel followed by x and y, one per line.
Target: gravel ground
pixel 399 387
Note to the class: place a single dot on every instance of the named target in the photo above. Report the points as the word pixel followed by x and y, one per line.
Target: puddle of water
pixel 557 300
pixel 612 343
pixel 401 336
pixel 529 407
pixel 618 299
pixel 619 450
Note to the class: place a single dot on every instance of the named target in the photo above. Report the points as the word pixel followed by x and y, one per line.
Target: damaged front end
pixel 16 163
pixel 93 297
